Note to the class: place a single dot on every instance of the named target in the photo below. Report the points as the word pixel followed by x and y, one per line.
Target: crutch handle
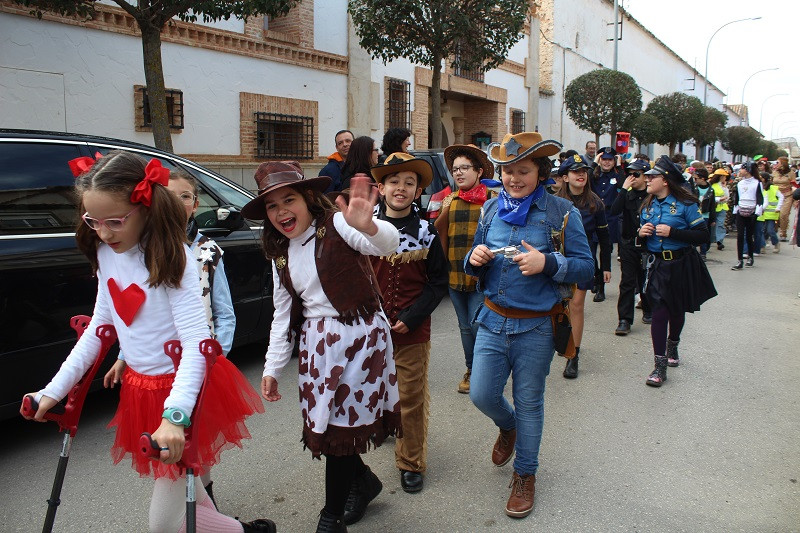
pixel 30 406
pixel 148 446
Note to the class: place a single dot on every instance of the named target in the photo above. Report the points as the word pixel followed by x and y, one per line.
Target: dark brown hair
pixel 164 234
pixel 359 158
pixel 188 178
pixel 678 191
pixel 587 198
pixel 275 243
pixel 469 154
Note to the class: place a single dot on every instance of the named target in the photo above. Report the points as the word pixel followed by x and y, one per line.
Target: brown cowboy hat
pixel 401 161
pixel 525 145
pixel 274 175
pixel 480 155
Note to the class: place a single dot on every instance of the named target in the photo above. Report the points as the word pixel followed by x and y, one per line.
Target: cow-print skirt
pixel 348 384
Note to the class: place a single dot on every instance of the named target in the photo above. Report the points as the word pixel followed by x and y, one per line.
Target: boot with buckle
pixel 329 523
pixel 659 374
pixel 504 447
pixel 672 353
pixel 363 490
pixel 520 502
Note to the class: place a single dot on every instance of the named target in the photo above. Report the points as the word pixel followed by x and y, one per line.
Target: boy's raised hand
pixel 358 211
pixel 530 262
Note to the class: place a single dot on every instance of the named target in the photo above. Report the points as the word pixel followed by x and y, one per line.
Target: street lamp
pixel 772 128
pixel 782 126
pixel 745 85
pixel 705 76
pixel 761 114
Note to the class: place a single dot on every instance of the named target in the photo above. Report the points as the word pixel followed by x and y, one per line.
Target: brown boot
pixel 520 503
pixel 463 387
pixel 504 447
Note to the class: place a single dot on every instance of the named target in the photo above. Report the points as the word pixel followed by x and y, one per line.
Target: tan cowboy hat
pixel 450 153
pixel 525 145
pixel 274 175
pixel 401 161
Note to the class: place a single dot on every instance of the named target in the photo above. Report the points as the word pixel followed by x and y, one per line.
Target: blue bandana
pixel 515 210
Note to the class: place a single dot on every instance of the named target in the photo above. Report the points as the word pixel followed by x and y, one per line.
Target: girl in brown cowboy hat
pixel 325 292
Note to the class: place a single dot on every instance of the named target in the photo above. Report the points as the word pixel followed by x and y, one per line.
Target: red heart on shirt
pixel 127 302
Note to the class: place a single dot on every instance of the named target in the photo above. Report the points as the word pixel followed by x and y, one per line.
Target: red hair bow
pixel 154 173
pixel 81 165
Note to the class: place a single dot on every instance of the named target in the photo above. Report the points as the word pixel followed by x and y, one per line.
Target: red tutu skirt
pixel 229 399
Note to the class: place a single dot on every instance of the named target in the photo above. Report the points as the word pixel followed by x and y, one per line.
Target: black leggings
pixel 658 329
pixel 340 471
pixel 745 224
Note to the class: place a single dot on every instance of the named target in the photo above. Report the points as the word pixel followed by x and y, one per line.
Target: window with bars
pixel 398 103
pixel 517 121
pixel 462 71
pixel 174 109
pixel 284 136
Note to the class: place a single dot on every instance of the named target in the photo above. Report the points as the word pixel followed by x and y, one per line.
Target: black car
pixel 45 280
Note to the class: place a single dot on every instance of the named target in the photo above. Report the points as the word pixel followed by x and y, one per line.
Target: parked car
pixel 44 279
pixel 441 185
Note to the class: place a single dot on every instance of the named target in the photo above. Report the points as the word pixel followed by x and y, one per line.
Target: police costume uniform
pixel 606 185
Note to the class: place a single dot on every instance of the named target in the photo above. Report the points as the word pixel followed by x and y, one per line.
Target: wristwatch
pixel 177 416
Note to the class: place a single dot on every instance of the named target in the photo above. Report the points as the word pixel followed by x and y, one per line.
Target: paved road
pixel 715 449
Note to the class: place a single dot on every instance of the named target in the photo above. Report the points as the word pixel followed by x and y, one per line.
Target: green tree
pixel 646 129
pixel 709 129
pixel 741 140
pixel 603 101
pixel 150 17
pixel 679 115
pixel 477 34
pixel 770 149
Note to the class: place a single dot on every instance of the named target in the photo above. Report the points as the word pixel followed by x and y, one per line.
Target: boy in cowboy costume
pixel 524 278
pixel 413 280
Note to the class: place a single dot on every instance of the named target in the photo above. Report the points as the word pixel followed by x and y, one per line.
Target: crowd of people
pixel 358 270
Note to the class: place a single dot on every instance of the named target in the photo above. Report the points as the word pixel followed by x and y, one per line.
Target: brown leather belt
pixel 509 312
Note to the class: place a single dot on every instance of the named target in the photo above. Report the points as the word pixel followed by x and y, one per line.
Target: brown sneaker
pixel 520 503
pixel 463 387
pixel 504 447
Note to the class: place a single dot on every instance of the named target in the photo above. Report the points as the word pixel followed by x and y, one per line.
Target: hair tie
pixel 154 173
pixel 82 165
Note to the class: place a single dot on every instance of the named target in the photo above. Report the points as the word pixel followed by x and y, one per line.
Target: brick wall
pixel 298 22
pixel 484 116
pixel 250 103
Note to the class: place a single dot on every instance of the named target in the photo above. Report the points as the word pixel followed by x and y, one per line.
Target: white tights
pixel 168 509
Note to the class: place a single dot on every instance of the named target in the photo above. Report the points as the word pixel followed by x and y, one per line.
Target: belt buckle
pixel 667 255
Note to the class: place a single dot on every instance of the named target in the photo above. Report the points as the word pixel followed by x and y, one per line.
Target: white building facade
pixel 241 89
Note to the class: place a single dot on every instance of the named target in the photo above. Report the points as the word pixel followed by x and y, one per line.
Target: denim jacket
pixel 501 281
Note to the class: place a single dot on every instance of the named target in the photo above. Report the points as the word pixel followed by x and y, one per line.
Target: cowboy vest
pixel 346 277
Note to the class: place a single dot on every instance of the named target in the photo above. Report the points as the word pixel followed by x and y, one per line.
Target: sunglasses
pixel 634 173
pixel 113 224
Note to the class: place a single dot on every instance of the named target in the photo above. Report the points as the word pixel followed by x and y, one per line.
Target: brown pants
pixel 786 208
pixel 411 362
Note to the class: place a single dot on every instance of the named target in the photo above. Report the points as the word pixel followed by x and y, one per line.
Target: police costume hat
pixel 638 164
pixel 575 162
pixel 607 153
pixel 525 145
pixel 665 167
pixel 751 167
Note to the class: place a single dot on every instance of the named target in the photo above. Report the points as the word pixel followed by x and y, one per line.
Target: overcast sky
pixel 737 51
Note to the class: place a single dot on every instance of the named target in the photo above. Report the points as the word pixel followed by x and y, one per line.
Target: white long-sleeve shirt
pixel 166 314
pixel 748 195
pixel 305 280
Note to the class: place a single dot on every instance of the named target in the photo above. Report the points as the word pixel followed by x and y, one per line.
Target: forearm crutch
pixel 210 349
pixel 67 415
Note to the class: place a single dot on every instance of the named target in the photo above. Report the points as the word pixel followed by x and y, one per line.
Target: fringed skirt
pixel 219 425
pixel 347 385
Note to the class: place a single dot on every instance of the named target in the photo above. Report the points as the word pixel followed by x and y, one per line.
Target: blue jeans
pixel 528 355
pixel 772 231
pixel 466 304
pixel 721 225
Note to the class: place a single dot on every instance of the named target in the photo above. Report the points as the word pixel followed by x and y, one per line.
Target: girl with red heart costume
pixel 133 233
pixel 326 295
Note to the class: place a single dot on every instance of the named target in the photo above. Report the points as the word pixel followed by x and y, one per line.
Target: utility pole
pixel 616 32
